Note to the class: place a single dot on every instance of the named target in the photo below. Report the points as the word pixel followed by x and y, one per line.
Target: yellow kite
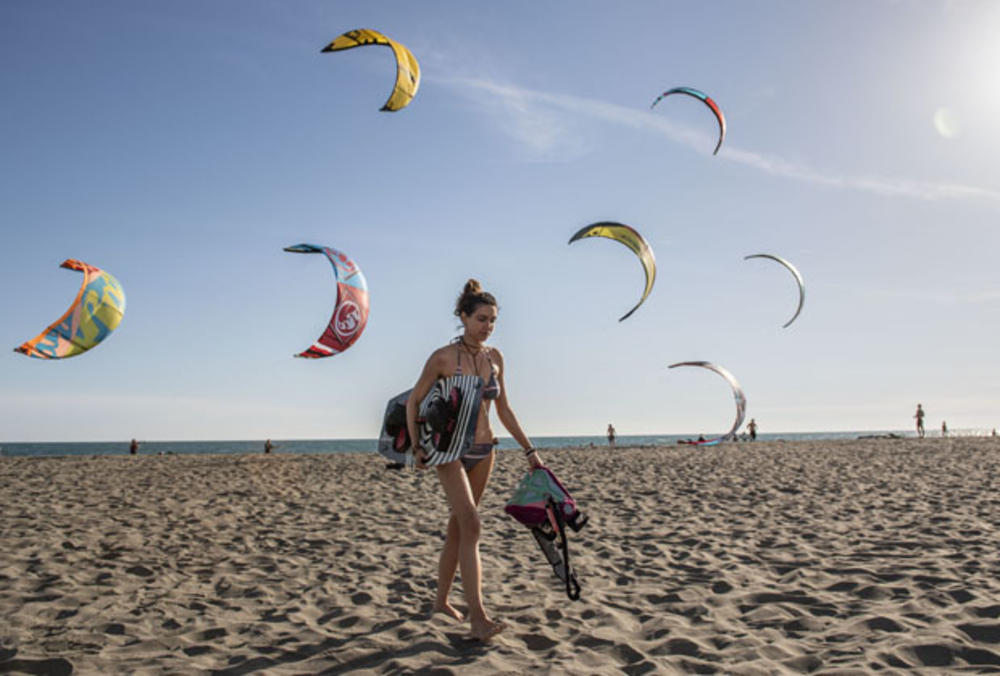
pixel 634 241
pixel 407 68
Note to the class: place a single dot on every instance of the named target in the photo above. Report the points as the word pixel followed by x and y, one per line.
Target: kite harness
pixel 543 504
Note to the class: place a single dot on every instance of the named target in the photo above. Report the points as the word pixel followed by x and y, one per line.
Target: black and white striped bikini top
pixel 492 388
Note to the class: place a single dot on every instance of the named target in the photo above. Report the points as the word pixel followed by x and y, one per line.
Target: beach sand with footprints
pixel 744 558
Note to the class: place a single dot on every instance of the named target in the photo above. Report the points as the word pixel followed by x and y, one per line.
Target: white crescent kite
pixel 798 280
pixel 741 400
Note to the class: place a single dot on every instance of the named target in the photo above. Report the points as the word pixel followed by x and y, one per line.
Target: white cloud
pixel 543 123
pixel 542 130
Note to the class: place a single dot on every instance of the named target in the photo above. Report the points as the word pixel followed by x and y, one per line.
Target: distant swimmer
pixel 752 429
pixel 919 415
pixel 611 435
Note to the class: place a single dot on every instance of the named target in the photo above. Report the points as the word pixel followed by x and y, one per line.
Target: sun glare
pixel 947 123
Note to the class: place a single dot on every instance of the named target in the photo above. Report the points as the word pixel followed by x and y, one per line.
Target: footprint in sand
pixel 212 634
pixel 538 642
pixel 195 650
pixel 984 633
pixel 361 598
pixel 140 571
pixel 53 667
pixel 946 654
pixel 348 622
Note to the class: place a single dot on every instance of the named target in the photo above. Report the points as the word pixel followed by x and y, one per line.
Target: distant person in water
pixel 752 428
pixel 611 435
pixel 944 428
pixel 133 447
pixel 919 415
pixel 268 446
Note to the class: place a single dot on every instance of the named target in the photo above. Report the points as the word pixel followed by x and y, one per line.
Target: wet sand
pixel 746 558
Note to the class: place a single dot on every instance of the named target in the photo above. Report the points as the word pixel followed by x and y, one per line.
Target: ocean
pixel 21 449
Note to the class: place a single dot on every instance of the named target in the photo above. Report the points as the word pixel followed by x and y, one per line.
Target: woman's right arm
pixel 431 372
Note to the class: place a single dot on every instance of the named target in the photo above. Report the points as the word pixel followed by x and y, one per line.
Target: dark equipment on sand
pixel 543 504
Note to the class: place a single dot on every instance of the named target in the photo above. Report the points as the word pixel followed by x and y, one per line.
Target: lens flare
pixel 946 122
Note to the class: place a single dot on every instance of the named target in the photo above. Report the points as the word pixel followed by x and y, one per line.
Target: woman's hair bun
pixel 472 297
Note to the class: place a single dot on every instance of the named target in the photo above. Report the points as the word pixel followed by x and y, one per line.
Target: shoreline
pixel 367 446
pixel 742 558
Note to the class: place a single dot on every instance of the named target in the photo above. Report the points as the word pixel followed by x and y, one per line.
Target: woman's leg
pixel 446 571
pixel 478 477
pixel 463 506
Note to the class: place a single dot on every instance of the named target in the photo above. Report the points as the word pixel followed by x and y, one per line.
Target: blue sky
pixel 182 145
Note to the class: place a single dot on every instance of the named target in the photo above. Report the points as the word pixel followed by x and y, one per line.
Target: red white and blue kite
pixel 350 312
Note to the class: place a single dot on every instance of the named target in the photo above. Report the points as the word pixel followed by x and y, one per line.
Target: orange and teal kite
pixel 94 314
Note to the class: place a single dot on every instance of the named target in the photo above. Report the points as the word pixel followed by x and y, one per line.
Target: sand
pixel 747 558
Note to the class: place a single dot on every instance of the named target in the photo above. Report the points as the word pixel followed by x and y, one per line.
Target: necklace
pixel 473 353
pixel 471 349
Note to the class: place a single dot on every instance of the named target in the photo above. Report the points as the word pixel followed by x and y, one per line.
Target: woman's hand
pixel 419 455
pixel 534 460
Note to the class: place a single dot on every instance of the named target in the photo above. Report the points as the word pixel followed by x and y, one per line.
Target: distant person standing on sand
pixel 133 447
pixel 611 435
pixel 752 428
pixel 464 480
pixel 268 446
pixel 919 415
pixel 944 428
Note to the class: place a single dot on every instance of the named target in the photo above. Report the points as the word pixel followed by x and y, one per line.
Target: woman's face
pixel 479 325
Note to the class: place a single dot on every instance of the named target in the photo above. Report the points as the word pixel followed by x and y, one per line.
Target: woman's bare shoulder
pixel 441 355
pixel 444 349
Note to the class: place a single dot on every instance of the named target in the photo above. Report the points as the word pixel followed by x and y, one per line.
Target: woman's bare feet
pixel 449 610
pixel 487 630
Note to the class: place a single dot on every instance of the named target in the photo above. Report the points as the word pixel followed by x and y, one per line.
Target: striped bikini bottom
pixel 477 453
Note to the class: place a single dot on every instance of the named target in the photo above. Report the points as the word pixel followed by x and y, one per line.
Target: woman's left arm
pixel 509 420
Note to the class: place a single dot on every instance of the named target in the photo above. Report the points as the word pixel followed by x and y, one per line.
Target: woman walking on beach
pixel 465 479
